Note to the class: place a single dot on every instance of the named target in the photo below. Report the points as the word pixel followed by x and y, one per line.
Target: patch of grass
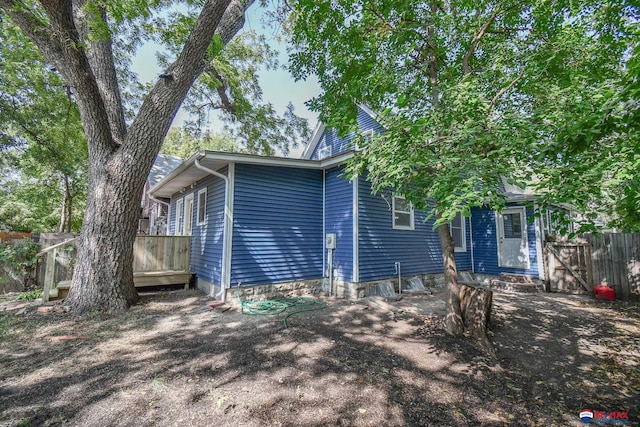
pixel 159 381
pixel 30 295
pixel 6 322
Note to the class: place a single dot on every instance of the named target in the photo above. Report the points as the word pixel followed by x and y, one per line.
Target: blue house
pixel 274 224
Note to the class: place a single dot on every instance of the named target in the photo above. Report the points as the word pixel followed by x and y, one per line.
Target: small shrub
pixel 18 260
pixel 30 295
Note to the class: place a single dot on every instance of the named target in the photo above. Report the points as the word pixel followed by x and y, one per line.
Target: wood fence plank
pixel 634 262
pixel 159 252
pixel 570 270
pixel 621 262
pixel 168 254
pixel 138 254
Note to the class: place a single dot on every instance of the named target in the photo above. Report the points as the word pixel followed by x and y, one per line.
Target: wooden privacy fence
pixel 576 265
pixel 157 260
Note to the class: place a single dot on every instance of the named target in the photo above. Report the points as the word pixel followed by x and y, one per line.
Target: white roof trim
pixel 187 173
pixel 313 142
pixel 321 127
pixel 368 110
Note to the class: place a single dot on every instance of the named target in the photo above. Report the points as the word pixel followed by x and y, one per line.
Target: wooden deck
pixel 159 278
pixel 157 261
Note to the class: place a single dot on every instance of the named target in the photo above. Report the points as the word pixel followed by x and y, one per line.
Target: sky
pixel 279 88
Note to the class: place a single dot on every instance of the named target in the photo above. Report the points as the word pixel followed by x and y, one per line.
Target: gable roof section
pixel 320 129
pixel 162 166
pixel 188 173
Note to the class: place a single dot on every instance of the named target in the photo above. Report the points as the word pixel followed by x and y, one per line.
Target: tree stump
pixel 475 303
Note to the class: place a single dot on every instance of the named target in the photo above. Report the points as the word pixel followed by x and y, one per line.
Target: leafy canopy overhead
pixel 44 151
pixel 468 92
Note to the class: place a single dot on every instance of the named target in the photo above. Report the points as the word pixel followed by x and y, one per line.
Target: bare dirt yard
pixel 174 361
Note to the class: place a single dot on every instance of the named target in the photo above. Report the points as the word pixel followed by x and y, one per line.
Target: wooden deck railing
pixel 156 260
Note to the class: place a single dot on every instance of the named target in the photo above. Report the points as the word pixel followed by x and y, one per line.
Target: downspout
pixel 228 228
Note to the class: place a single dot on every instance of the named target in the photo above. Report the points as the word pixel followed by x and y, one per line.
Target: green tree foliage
pixel 44 152
pixel 229 88
pixel 464 89
pixel 182 142
pixel 592 157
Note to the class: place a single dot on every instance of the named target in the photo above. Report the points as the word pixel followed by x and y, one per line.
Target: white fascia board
pixel 313 142
pixel 368 110
pixel 184 174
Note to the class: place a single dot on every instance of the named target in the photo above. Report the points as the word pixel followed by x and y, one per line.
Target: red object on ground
pixel 603 291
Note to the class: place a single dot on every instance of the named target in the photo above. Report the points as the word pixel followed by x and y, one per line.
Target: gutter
pixel 225 279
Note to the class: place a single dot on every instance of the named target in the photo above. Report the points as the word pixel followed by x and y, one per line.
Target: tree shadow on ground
pixel 172 361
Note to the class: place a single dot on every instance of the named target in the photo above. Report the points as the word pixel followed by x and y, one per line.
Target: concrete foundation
pixel 341 289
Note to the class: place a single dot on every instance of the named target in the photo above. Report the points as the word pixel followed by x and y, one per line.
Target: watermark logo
pixel 586 416
pixel 615 418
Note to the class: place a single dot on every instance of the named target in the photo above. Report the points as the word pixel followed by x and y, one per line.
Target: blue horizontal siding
pixel 206 244
pixel 338 144
pixel 380 246
pixel 485 243
pixel 206 241
pixel 339 220
pixel 277 234
pixel 419 251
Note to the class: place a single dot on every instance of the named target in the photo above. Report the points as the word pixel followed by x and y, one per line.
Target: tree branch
pixel 504 90
pixel 476 39
pixel 227 104
pixel 100 56
pixel 220 17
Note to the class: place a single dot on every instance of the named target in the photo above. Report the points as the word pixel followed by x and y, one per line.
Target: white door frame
pixel 506 243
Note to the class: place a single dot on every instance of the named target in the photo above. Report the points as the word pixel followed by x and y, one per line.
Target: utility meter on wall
pixel 330 241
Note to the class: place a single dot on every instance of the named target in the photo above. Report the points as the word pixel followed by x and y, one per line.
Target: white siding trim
pixel 324 221
pixel 539 240
pixel 227 239
pixel 356 232
pixel 473 261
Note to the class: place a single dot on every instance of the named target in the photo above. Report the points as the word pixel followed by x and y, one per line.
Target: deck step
pixel 520 287
pixel 65 284
pixel 516 278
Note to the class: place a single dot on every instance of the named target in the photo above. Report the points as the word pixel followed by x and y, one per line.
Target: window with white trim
pixel 457 227
pixel 202 206
pixel 177 231
pixel 367 135
pixel 188 215
pixel 324 152
pixel 402 214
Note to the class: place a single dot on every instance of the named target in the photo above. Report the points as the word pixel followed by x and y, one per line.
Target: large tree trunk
pixel 453 321
pixel 119 158
pixel 468 307
pixel 103 276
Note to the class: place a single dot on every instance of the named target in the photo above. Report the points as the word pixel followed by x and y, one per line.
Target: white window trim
pixel 188 226
pixel 410 212
pixel 203 220
pixel 463 229
pixel 324 152
pixel 179 223
pixel 369 133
